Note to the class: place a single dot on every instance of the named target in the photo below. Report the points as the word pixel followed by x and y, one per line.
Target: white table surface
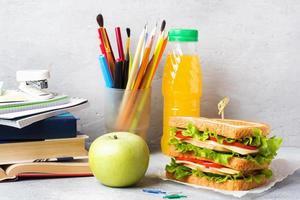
pixel 83 188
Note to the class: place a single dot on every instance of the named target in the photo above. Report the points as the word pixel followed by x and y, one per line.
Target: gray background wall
pixel 249 52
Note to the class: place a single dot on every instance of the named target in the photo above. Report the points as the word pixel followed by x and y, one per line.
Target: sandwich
pixel 220 153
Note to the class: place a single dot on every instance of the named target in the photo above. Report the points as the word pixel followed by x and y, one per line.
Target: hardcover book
pixel 60 126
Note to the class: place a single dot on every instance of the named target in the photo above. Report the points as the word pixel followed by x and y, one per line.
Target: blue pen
pixel 105 71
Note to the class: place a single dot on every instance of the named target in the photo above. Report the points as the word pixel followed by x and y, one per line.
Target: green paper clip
pixel 174 196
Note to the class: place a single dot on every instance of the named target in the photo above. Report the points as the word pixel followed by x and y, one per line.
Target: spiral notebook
pixel 27 117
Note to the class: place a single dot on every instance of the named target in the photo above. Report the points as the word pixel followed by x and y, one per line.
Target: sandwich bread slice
pixel 224 154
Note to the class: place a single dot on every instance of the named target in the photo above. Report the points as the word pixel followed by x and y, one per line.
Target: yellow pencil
pixel 154 61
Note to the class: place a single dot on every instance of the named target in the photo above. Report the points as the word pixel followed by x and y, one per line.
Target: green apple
pixel 119 159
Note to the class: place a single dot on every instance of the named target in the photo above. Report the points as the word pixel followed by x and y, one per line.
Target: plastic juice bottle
pixel 182 80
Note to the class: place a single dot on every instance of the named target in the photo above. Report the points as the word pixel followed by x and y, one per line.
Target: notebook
pixel 14 115
pixel 60 126
pixel 45 170
pixel 30 116
pixel 33 104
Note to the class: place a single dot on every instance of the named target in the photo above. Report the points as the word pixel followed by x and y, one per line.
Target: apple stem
pixel 115 137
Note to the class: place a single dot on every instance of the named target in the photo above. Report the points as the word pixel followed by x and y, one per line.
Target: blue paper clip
pixel 154 191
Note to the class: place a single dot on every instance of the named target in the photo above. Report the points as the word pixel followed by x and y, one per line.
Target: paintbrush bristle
pixel 128 32
pixel 100 20
pixel 163 25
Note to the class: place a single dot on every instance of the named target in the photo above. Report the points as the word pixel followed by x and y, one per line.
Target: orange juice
pixel 182 85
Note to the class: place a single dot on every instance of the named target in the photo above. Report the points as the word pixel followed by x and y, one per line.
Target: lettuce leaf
pixel 180 172
pixel 192 131
pixel 217 157
pixel 267 151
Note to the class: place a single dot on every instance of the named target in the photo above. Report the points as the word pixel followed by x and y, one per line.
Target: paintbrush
pixel 119 43
pixel 108 50
pixel 163 26
pixel 127 45
pixel 127 58
pixel 100 32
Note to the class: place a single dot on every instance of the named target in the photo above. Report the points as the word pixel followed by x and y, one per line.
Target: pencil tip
pixel 100 20
pixel 163 25
pixel 128 32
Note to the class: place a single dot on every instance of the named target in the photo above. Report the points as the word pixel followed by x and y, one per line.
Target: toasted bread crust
pixel 236 163
pixel 229 128
pixel 227 185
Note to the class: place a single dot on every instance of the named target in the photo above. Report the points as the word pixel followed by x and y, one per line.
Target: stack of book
pixel 40 139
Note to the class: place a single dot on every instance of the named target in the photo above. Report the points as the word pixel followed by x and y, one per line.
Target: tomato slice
pixel 180 136
pixel 236 144
pixel 205 163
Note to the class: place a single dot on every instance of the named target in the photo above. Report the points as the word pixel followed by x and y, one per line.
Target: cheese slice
pixel 214 170
pixel 210 144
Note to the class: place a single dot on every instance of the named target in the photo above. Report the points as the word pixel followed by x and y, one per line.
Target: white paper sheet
pixel 286 163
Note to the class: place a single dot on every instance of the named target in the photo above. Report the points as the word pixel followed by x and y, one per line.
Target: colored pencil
pixel 144 45
pixel 145 60
pixel 134 68
pixel 152 66
pixel 105 71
